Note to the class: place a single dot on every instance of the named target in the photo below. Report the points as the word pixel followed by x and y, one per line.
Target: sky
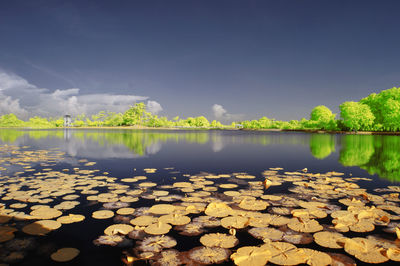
pixel 224 59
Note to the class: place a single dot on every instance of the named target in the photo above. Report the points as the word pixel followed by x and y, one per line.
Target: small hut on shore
pixel 67 121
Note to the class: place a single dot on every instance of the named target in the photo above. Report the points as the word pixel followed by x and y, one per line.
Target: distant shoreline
pixel 230 129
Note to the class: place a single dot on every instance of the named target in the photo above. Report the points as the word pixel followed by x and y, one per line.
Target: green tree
pixel 216 124
pixel 323 117
pixel 57 122
pixel 386 107
pixel 11 120
pixel 39 122
pixel 135 115
pixel 113 119
pixel 391 117
pixel 201 121
pixel 356 116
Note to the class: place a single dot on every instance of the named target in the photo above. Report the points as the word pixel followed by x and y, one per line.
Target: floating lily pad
pixel 103 214
pixel 175 219
pixel 254 256
pixel 329 239
pixel 125 211
pixel 237 222
pixel 219 240
pixel 206 255
pixel 218 209
pixel 284 253
pixel 304 225
pixel 41 227
pixel 71 218
pixel 315 257
pixel 158 228
pixel 118 229
pixel 65 254
pixel 156 243
pixel 162 209
pixel 365 250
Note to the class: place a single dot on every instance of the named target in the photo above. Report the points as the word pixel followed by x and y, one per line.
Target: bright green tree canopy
pixel 356 116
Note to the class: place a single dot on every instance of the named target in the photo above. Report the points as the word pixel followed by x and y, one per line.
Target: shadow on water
pixel 377 154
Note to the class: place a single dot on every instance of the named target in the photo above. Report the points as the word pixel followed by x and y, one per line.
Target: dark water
pixel 119 151
pixel 125 153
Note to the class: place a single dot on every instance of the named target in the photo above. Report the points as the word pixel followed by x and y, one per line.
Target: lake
pixel 114 169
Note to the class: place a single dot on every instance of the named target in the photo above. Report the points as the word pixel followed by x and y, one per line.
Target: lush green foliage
pixel 385 106
pixel 356 116
pixel 136 115
pixel 10 120
pixel 377 112
pixel 323 117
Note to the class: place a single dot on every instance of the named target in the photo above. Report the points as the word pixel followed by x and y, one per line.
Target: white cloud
pixel 154 107
pixel 218 111
pixel 221 114
pixel 8 105
pixel 18 96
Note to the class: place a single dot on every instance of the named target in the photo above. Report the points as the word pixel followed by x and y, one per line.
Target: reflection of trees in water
pixel 376 154
pixel 385 161
pixel 139 141
pixel 143 142
pixel 322 145
pixel 356 150
pixel 10 135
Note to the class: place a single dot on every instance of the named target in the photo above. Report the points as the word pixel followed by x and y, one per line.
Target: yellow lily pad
pixel 65 254
pixel 118 229
pixel 103 214
pixel 254 256
pixel 219 240
pixel 158 228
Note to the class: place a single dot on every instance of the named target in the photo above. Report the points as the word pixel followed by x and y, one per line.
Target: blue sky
pixel 246 58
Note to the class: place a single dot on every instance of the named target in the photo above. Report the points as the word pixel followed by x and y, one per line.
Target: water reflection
pixel 376 154
pixel 322 145
pixel 380 155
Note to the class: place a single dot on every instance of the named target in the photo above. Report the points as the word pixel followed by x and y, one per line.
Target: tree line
pixel 136 115
pixel 376 112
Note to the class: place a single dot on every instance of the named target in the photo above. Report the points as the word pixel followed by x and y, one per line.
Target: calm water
pixel 125 153
pixel 120 151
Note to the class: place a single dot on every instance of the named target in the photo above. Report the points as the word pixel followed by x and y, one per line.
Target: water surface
pixel 122 153
pixel 221 151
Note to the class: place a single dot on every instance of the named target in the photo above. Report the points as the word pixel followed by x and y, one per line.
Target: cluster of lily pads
pixel 321 219
pixel 323 208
